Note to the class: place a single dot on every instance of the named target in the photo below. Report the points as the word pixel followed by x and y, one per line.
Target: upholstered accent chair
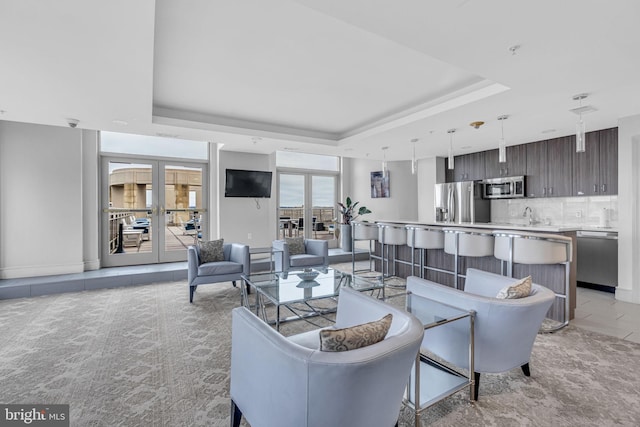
pixel 315 254
pixel 235 263
pixel 279 381
pixel 504 331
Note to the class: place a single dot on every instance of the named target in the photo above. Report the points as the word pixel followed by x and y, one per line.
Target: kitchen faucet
pixel 524 214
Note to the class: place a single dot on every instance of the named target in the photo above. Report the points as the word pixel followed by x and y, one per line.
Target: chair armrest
pixel 240 253
pixel 281 257
pixel 268 372
pixel 319 248
pixel 193 261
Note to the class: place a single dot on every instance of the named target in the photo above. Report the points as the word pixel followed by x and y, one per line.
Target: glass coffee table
pixel 432 378
pixel 295 290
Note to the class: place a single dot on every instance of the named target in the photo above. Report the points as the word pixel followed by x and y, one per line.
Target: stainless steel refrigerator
pixel 461 202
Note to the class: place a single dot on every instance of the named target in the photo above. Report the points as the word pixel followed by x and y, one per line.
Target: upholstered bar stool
pixel 521 247
pixel 390 236
pixel 363 231
pixel 423 237
pixel 466 242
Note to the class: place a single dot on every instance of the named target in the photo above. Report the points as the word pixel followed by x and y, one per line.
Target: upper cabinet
pixel 595 171
pixel 549 166
pixel 516 164
pixel 552 167
pixel 467 167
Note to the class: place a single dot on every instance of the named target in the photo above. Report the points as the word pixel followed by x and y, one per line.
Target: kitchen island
pixel 440 265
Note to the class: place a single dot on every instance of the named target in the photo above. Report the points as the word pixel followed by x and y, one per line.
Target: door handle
pixel 604 188
pixel 595 188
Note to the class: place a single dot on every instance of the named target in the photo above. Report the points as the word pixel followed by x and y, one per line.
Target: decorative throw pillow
pixel 520 289
pixel 296 245
pixel 356 336
pixel 211 251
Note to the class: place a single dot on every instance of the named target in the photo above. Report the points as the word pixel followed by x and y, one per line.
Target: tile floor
pixel 600 312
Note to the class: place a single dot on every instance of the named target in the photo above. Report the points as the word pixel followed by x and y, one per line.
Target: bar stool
pixel 518 247
pixel 363 231
pixel 423 237
pixel 394 235
pixel 466 242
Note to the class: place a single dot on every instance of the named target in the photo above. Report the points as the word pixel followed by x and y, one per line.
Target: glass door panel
pixel 291 195
pixel 128 213
pixel 323 201
pixel 184 209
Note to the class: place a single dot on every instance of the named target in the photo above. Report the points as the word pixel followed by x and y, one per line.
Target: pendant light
pixel 580 126
pixel 414 164
pixel 451 132
pixel 385 170
pixel 502 145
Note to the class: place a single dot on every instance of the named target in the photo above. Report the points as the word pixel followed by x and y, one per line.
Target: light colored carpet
pixel 144 356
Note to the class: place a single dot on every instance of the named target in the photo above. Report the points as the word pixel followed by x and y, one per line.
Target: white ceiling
pixel 331 76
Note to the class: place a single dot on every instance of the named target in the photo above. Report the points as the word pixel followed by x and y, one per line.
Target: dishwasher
pixel 598 259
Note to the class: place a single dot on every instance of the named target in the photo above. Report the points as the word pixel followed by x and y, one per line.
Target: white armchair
pixel 505 329
pixel 280 382
pixel 236 263
pixel 316 255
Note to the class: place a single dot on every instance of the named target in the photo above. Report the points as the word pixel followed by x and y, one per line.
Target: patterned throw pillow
pixel 520 289
pixel 296 245
pixel 356 336
pixel 211 251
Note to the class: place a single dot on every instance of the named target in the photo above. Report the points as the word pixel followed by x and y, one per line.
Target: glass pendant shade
pixel 450 162
pixel 385 169
pixel 502 145
pixel 414 164
pixel 580 136
pixel 502 151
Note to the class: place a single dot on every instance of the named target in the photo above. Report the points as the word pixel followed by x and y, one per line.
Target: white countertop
pixel 559 228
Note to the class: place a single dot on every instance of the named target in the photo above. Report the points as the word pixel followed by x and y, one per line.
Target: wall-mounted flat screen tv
pixel 247 183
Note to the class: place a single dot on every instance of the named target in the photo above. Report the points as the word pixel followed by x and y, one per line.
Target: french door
pixel 306 205
pixel 151 210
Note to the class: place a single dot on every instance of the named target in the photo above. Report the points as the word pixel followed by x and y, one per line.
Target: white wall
pixel 629 209
pixel 403 203
pixel 240 216
pixel 430 172
pixel 41 221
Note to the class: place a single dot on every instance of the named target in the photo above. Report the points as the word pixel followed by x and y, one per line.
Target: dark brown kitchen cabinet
pixel 549 167
pixel 467 167
pixel 516 164
pixel 609 161
pixel 536 181
pixel 595 171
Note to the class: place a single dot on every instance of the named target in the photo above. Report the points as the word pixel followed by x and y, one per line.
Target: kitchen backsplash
pixel 597 211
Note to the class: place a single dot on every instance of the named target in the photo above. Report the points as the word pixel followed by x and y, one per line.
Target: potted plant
pixel 349 213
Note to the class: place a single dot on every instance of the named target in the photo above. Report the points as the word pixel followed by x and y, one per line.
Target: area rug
pixel 144 356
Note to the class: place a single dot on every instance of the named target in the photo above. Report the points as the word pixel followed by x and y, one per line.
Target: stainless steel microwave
pixel 503 188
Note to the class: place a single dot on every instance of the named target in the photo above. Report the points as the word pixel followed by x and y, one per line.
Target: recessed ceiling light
pixel 466 147
pixel 167 135
pixel 120 122
pixel 548 131
pixel 291 149
pixel 348 149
